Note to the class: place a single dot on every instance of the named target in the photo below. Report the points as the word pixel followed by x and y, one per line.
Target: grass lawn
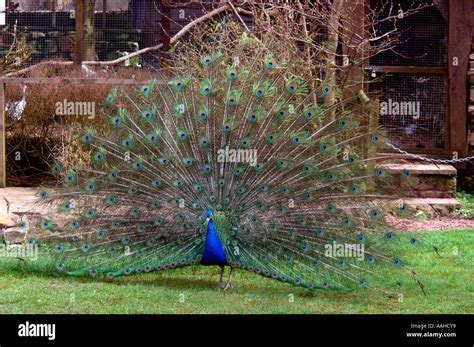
pixel 448 280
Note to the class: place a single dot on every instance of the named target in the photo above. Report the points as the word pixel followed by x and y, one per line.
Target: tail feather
pixel 295 192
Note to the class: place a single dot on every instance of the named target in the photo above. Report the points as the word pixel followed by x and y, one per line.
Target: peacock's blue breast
pixel 213 252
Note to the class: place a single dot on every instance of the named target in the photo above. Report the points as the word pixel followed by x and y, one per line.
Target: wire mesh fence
pixel 125 26
pixel 423 35
pixel 412 109
pixel 49 33
pixel 120 27
pixel 413 101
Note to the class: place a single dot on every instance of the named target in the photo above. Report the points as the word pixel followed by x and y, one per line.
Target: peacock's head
pixel 208 214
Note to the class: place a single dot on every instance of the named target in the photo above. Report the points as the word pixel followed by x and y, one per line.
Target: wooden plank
pixel 433 153
pixel 79 33
pixel 354 32
pixel 355 49
pixel 104 14
pixel 149 17
pixel 88 25
pixel 371 148
pixel 3 173
pixel 459 47
pixel 53 15
pixel 353 28
pixel 165 30
pixel 421 168
pixel 442 6
pixel 410 69
pixel 472 21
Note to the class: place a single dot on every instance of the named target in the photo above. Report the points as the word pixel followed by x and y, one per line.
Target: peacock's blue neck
pixel 213 252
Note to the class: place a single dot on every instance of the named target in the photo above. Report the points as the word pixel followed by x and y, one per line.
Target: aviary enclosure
pixel 237 156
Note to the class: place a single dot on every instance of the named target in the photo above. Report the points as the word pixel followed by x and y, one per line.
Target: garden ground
pixel 448 280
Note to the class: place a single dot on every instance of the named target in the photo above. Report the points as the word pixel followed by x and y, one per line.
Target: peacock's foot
pixel 229 280
pixel 228 285
pixel 219 284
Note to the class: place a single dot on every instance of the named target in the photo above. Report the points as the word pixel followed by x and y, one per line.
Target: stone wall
pixel 427 180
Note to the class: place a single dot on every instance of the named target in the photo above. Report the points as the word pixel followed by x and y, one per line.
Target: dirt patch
pixel 432 223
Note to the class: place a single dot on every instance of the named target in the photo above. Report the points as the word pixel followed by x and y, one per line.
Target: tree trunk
pixel 333 40
pixel 89 41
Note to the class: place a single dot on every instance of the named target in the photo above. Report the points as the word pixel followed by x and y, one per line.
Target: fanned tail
pixel 295 184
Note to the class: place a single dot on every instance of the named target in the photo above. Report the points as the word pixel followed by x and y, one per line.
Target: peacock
pixel 233 160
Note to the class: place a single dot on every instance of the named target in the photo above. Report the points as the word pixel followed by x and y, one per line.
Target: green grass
pixel 467 205
pixel 448 284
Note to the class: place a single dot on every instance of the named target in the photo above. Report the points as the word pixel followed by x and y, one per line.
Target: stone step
pixel 15 202
pixel 421 169
pixel 433 181
pixel 437 205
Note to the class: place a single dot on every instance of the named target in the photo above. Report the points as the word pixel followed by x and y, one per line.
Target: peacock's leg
pixel 229 280
pixel 219 285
